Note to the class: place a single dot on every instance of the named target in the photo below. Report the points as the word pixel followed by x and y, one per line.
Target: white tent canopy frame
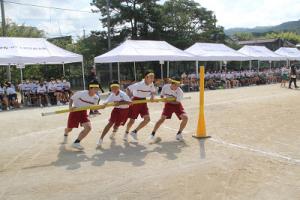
pixel 260 53
pixel 31 51
pixel 289 53
pixel 215 52
pixel 143 51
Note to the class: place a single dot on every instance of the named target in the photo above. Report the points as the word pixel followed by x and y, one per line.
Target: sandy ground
pixel 254 153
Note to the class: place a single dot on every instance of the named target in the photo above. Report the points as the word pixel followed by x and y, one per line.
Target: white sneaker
pixel 41 105
pixel 152 139
pixel 125 137
pixel 133 135
pixel 112 136
pixel 49 104
pixel 0 110
pixel 179 137
pixel 59 104
pixel 99 143
pixel 77 146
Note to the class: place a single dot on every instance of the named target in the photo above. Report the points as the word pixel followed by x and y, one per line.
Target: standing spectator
pixel 284 75
pixel 293 77
pixel 93 77
pixel 51 91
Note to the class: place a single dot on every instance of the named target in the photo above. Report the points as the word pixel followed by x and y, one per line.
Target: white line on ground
pixel 248 148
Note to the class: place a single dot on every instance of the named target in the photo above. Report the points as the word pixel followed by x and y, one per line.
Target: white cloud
pixel 251 13
pixel 55 22
pixel 230 13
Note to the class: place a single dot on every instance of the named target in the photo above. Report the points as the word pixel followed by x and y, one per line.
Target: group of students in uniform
pixel 125 108
pixel 232 79
pixel 43 93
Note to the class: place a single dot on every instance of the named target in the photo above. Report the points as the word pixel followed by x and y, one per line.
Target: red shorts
pixel 169 109
pixel 138 109
pixel 76 118
pixel 119 116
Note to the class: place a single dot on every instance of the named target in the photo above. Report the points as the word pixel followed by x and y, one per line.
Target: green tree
pixel 128 17
pixel 15 30
pixel 290 36
pixel 186 22
pixel 243 36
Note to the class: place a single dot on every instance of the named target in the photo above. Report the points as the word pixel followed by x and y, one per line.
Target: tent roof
pixel 144 50
pixel 289 53
pixel 15 50
pixel 260 53
pixel 215 52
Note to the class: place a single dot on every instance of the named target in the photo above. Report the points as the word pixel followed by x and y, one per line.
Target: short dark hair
pixel 148 72
pixel 93 82
pixel 176 78
pixel 113 82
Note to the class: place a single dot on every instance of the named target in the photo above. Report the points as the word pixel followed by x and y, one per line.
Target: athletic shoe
pixel 152 139
pixel 125 137
pixel 49 104
pixel 112 136
pixel 179 137
pixel 133 135
pixel 59 103
pixel 41 105
pixel 99 143
pixel 77 146
pixel 0 110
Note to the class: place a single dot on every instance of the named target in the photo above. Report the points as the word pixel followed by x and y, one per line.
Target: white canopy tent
pixel 215 52
pixel 289 53
pixel 260 53
pixel 142 51
pixel 30 51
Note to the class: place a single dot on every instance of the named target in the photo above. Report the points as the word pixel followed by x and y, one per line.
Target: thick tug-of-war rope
pixel 98 107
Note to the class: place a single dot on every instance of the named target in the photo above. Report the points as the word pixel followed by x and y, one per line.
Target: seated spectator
pixel 67 90
pixel 59 91
pixel 3 98
pixel 51 87
pixel 42 95
pixel 12 96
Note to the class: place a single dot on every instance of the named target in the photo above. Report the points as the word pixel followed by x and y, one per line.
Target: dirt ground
pixel 254 153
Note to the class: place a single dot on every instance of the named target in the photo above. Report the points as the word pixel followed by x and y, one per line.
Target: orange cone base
pixel 201 137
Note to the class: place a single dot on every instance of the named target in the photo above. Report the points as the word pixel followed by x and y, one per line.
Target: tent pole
pixel 196 67
pixel 220 65
pixel 21 71
pixel 119 80
pixel 83 79
pixel 240 65
pixel 168 69
pixel 134 68
pixel 9 74
pixel 64 74
pixel 161 71
pixel 250 66
pixel 258 65
pixel 270 65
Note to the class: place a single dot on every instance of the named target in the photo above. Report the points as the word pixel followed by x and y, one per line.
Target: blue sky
pixel 230 13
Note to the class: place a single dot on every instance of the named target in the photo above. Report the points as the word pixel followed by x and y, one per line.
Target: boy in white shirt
pixel 12 96
pixel 172 90
pixel 59 90
pixel 42 94
pixel 119 114
pixel 81 99
pixel 139 91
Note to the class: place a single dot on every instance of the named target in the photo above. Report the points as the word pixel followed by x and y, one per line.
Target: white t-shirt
pixel 51 87
pixel 33 87
pixel 2 90
pixel 122 96
pixel 141 90
pixel 66 85
pixel 41 89
pixel 82 98
pixel 59 86
pixel 168 92
pixel 10 90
